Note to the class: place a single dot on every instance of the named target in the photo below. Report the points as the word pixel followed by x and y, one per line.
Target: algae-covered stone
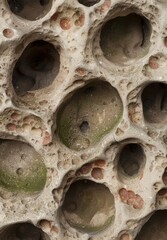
pixel 88 206
pixel 21 167
pixel 88 115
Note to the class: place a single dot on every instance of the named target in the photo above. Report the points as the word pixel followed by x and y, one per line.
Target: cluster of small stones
pixel 83 114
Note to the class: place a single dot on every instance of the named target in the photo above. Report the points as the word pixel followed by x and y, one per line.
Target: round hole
pixel 84 126
pixel 131 159
pixel 88 3
pixel 18 173
pixel 36 68
pixel 88 206
pixel 161 198
pixel 155 227
pixel 84 118
pixel 154 100
pixel 125 38
pixel 164 177
pixel 31 10
pixel 23 231
pixel 162 192
pixel 44 2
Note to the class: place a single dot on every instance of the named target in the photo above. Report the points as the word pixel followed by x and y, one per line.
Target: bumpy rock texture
pixel 83 113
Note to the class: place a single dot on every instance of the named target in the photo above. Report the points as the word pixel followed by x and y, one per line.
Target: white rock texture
pixel 83 105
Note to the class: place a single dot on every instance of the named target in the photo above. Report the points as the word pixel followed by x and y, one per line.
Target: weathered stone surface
pixel 83 97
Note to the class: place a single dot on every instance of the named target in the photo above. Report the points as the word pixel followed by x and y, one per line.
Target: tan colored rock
pixel 81 83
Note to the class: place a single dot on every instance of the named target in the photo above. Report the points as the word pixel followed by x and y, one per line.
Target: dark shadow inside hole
pixel 125 38
pixel 131 159
pixel 164 176
pixel 88 3
pixel 163 106
pixel 30 9
pixel 44 2
pixel 22 231
pixel 44 64
pixel 84 127
pixel 154 100
pixel 28 230
pixel 89 90
pixel 15 6
pixel 19 171
pixel 155 227
pixel 36 68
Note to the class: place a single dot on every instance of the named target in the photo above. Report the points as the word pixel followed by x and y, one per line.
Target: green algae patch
pixel 91 113
pixel 21 168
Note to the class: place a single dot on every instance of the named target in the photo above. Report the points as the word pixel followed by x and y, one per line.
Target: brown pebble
pixel 81 71
pixel 97 173
pixel 125 236
pixel 28 120
pixel 8 33
pixel 54 17
pixel 153 63
pixel 54 229
pixel 130 198
pixel 85 169
pixel 105 6
pixel 45 225
pixel 11 127
pixel 123 195
pixel 65 23
pixel 47 139
pixel 100 163
pixel 15 116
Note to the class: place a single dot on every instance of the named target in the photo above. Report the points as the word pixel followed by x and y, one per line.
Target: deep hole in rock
pixel 44 2
pixel 84 126
pixel 164 176
pixel 125 38
pixel 30 9
pixel 155 227
pixel 84 202
pixel 131 159
pixel 90 90
pixel 22 231
pixel 36 68
pixel 88 3
pixel 154 100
